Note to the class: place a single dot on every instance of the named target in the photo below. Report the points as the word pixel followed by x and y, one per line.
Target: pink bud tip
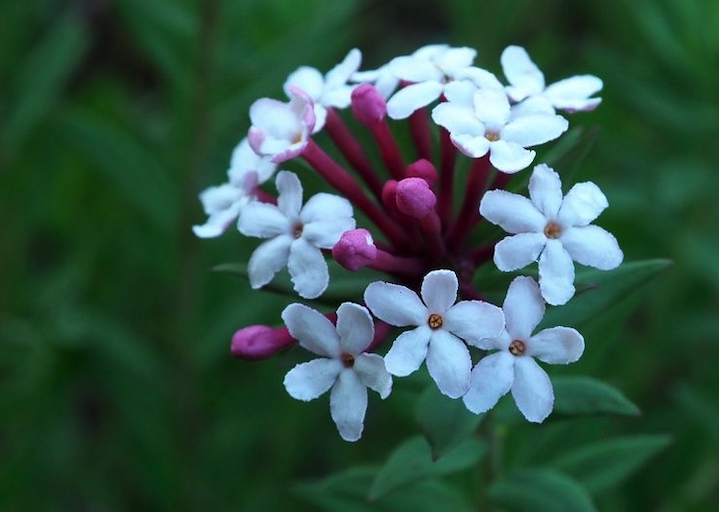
pixel 422 169
pixel 368 105
pixel 415 198
pixel 355 249
pixel 259 342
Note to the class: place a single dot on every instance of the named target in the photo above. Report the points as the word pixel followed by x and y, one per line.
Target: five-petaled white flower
pixel 553 229
pixel 330 90
pixel 344 366
pixel 296 233
pixel 441 327
pixel 513 365
pixel 527 81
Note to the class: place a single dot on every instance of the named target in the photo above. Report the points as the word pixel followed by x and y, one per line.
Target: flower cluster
pixel 420 227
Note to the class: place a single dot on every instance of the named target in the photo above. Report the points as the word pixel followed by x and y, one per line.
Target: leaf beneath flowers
pixel 541 490
pixel 585 395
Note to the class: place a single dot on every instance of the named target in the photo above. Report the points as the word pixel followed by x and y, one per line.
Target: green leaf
pixel 605 464
pixel 445 423
pixel 585 395
pixel 571 150
pixel 541 490
pixel 412 461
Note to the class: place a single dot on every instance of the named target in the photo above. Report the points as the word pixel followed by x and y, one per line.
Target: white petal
pixel 341 73
pixel 583 203
pixel 395 304
pixel 341 97
pixel 449 363
pixel 523 308
pixel 439 290
pixel 461 94
pixel 456 59
pixel 474 146
pixel 509 157
pixel 355 327
pixel 592 246
pixel 325 217
pixel 474 320
pixel 289 200
pixel 309 380
pixel 348 404
pixel 492 108
pixel 558 345
pixel 268 259
pixel 545 190
pixel 532 106
pixel 414 69
pixel 573 93
pixel 412 98
pixel 500 342
pixel 217 223
pixel 480 77
pixel 386 84
pixel 534 129
pixel 521 72
pixel 491 379
pixel 518 251
pixel 556 274
pixel 532 390
pixel 275 118
pixel 408 351
pixel 512 212
pixel 457 119
pixel 262 220
pixel 374 375
pixel 312 329
pixel 245 159
pixel 308 269
pixel 320 117
pixel 308 79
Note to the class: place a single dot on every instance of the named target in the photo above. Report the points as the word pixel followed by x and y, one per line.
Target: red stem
pixel 389 151
pixel 469 213
pixel 421 133
pixel 446 179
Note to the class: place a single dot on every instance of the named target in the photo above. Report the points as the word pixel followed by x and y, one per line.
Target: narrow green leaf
pixel 571 150
pixel 541 490
pixel 585 395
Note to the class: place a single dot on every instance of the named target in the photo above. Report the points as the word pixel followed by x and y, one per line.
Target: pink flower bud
pixel 260 342
pixel 355 249
pixel 422 169
pixel 415 198
pixel 368 105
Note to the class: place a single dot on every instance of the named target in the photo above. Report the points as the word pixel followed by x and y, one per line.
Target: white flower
pixel 513 365
pixel 429 70
pixel 381 78
pixel 553 229
pixel 281 130
pixel 481 121
pixel 296 234
pixel 330 90
pixel 527 81
pixel 441 327
pixel 344 366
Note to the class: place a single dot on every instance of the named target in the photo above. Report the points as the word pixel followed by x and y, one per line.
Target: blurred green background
pixel 117 390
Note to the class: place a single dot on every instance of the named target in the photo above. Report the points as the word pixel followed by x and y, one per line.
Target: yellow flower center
pixel 517 348
pixel 434 321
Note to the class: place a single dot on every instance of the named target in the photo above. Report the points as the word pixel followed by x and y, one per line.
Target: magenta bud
pixel 422 169
pixel 368 105
pixel 260 342
pixel 415 198
pixel 355 249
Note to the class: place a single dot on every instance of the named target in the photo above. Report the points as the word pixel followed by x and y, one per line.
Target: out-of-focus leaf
pixel 540 490
pixel 585 395
pixel 571 150
pixel 699 407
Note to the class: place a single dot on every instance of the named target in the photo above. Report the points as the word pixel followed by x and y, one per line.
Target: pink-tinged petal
pixel 523 308
pixel 457 119
pixel 449 363
pixel 256 137
pixel 348 404
pixel 492 108
pixel 583 203
pixel 355 327
pixel 518 251
pixel 408 351
pixel 413 97
pixel 532 390
pixel 439 290
pixel 521 72
pixel 572 106
pixel 244 160
pixel 290 151
pixel 509 157
pixel 592 246
pixel 574 92
pixel 268 259
pixel 341 73
pixel 556 274
pixel 474 146
pixel 460 93
pixel 374 375
pixel 275 118
pixel 545 190
pixel 490 380
pixel 474 321
pixel 308 269
pixel 307 381
pixel 558 345
pixel 512 212
pixel 397 305
pixel 325 218
pixel 534 129
pixel 262 220
pixel 312 329
pixel 289 200
pixel 456 59
pixel 417 70
pixel 308 79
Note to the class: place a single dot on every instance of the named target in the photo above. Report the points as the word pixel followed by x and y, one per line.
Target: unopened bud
pixel 260 342
pixel 355 249
pixel 368 105
pixel 415 198
pixel 422 169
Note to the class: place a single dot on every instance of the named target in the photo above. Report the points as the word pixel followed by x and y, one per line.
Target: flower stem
pixel 388 149
pixel 469 213
pixel 448 155
pixel 421 133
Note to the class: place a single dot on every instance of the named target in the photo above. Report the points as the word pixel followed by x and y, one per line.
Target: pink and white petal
pixel 456 59
pixel 492 107
pixel 521 71
pixel 413 97
pixel 308 79
pixel 572 106
pixel 474 146
pixel 523 308
pixel 556 274
pixel 461 94
pixel 439 290
pixel 374 374
pixel 312 329
pixel 307 381
pixel 592 246
pixel 578 87
pixel 583 203
pixel 325 217
pixel 558 345
pixel 308 269
pixel 355 327
pixel 326 233
pixel 532 390
pixel 457 119
pixel 408 351
pixel 518 251
pixel 533 129
pixel 490 380
pixel 268 259
pixel 341 73
pixel 397 305
pixel 270 145
pixel 545 190
pixel 348 405
pixel 509 157
pixel 292 150
pixel 289 200
pixel 512 212
pixel 474 321
pixel 416 70
pixel 273 117
pixel 449 363
pixel 262 220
